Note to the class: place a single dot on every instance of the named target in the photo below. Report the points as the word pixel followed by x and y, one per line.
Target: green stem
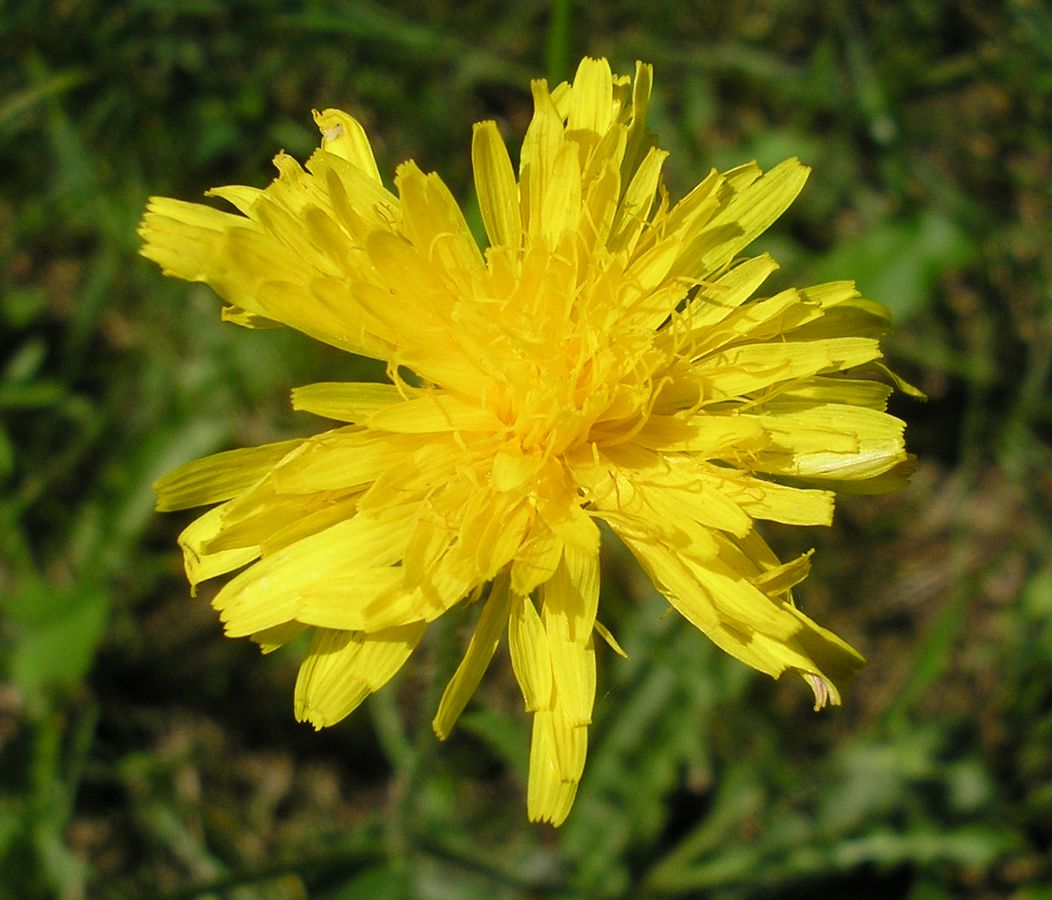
pixel 557 51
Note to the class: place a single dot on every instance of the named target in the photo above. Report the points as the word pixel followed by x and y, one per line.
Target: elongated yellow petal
pixel 741 370
pixel 573 661
pixel 768 636
pixel 359 202
pixel 202 564
pixel 253 518
pixel 557 755
pixel 434 412
pixel 717 299
pixel 639 140
pixel 764 499
pixel 495 183
pixel 218 477
pixel 432 220
pixel 345 401
pixel 536 560
pixel 832 440
pixel 343 136
pixel 543 139
pixel 342 668
pixel 780 579
pixel 560 210
pixel 345 459
pixel 530 654
pixel 269 593
pixel 500 533
pixel 590 106
pixel 751 212
pixel 480 650
pixel 847 391
pixel 239 196
pixel 271 639
pixel 551 789
pixel 638 200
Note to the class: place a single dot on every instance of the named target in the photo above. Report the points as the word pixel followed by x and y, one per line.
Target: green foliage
pixel 144 755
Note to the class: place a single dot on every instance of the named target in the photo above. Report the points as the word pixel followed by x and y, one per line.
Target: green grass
pixel 142 754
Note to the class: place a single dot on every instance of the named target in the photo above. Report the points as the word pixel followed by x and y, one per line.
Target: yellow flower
pixel 603 360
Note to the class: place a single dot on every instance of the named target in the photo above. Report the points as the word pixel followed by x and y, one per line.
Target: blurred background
pixel 143 754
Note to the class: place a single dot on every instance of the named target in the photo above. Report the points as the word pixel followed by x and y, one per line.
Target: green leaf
pixel 897 262
pixel 61 630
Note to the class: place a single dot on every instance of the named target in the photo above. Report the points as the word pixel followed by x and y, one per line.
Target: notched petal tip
pixel 342 135
pixel 825 691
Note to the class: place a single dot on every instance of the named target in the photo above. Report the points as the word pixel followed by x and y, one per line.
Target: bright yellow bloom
pixel 603 360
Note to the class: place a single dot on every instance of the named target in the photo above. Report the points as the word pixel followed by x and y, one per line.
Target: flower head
pixel 604 359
